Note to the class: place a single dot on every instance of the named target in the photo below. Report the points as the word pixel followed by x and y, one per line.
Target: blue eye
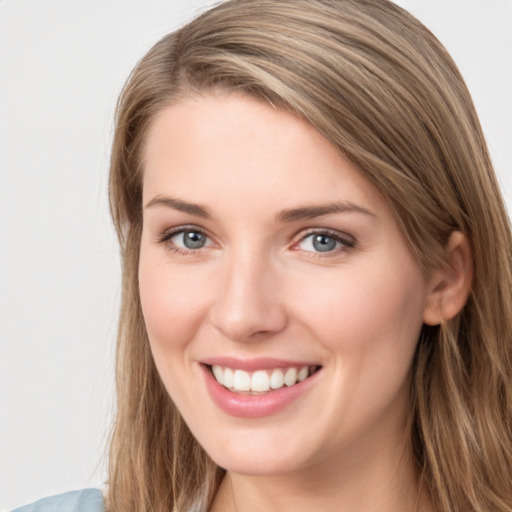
pixel 187 239
pixel 193 239
pixel 324 243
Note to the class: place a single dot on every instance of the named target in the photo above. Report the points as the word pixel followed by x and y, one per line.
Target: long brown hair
pixel 378 85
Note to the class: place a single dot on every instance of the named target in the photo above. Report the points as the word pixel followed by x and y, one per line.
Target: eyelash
pixel 347 243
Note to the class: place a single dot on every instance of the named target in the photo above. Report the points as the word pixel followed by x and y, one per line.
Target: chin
pixel 249 464
pixel 262 458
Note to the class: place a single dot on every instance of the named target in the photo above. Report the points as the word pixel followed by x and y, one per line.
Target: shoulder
pixel 86 500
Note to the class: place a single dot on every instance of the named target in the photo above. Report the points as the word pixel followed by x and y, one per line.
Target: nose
pixel 249 304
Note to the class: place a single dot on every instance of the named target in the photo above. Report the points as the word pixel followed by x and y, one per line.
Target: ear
pixel 451 283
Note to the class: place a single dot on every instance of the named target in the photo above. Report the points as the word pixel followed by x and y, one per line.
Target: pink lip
pixel 255 363
pixel 254 406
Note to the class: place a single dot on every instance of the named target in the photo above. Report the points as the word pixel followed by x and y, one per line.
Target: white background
pixel 62 65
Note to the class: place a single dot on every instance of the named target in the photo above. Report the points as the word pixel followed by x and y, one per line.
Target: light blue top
pixel 87 500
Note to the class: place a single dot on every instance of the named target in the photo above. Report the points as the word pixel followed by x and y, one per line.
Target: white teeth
pixel 260 381
pixel 303 373
pixel 218 373
pixel 277 379
pixel 290 377
pixel 241 381
pixel 228 378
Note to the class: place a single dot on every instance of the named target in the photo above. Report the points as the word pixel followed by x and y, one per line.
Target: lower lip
pixel 255 406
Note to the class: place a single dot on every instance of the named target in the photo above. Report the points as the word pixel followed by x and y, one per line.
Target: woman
pixel 315 252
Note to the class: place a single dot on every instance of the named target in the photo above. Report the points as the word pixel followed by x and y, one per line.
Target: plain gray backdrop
pixel 62 65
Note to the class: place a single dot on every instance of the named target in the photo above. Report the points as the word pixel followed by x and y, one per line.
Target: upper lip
pixel 255 363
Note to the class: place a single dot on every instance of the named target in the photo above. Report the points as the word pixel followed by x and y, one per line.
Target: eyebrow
pixel 291 215
pixel 311 212
pixel 180 205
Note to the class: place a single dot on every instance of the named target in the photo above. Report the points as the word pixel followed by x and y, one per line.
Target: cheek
pixel 172 302
pixel 369 323
pixel 364 308
pixel 173 305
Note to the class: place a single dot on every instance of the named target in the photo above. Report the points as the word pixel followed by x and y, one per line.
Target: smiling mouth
pixel 261 381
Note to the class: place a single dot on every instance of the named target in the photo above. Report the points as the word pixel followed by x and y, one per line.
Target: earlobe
pixel 451 283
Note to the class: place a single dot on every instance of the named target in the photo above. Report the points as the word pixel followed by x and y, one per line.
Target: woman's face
pixel 269 260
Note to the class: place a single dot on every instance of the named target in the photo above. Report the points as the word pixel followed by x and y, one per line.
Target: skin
pixel 259 287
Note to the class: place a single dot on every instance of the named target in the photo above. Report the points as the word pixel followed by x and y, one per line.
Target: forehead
pixel 208 147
